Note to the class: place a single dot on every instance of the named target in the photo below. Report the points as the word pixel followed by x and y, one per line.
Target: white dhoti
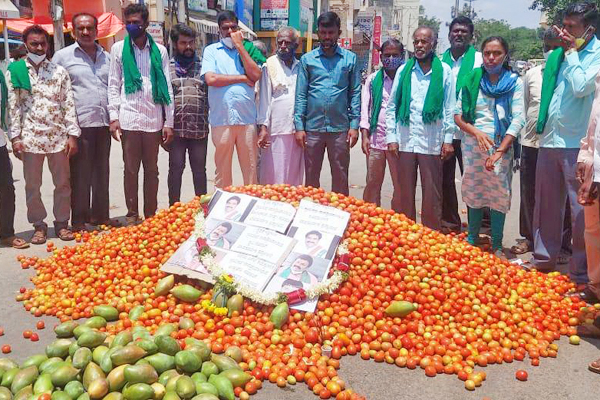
pixel 282 162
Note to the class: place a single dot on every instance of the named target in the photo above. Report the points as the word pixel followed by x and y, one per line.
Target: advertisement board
pixel 273 14
pixel 198 5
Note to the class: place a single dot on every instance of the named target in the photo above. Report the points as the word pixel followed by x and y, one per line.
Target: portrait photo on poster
pixel 304 268
pixel 230 206
pixel 222 234
pixel 314 242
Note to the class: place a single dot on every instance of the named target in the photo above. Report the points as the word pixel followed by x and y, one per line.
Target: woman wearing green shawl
pixel 490 111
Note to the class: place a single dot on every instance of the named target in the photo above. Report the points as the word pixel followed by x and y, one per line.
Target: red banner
pixel 376 39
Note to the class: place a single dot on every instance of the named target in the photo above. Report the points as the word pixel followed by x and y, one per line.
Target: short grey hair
pixel 289 29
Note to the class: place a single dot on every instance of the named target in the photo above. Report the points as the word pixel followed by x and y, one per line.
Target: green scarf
pixel 376 99
pixel 19 75
pixel 434 100
pixel 548 84
pixel 470 92
pixel 133 78
pixel 254 53
pixel 466 66
pixel 4 92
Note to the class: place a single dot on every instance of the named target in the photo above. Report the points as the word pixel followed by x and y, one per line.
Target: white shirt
pixel 276 105
pixel 455 68
pixel 137 111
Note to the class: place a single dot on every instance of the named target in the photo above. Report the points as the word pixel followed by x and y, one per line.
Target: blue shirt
pixel 231 104
pixel 327 92
pixel 571 103
pixel 418 137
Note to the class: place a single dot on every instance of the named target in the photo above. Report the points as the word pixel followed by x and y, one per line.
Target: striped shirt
pixel 137 111
pixel 191 103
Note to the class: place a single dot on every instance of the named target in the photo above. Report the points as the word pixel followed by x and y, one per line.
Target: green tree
pixel 554 8
pixel 432 22
pixel 524 43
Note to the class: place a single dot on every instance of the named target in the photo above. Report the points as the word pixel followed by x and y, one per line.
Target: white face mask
pixel 35 58
pixel 228 42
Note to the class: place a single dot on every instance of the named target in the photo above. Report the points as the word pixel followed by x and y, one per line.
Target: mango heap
pixel 414 297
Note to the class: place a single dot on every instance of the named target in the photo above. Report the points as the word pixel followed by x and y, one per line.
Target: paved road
pixel 563 378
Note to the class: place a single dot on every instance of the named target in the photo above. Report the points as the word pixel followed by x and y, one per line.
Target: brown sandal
pixel 521 248
pixel 594 366
pixel 39 236
pixel 65 234
pixel 15 242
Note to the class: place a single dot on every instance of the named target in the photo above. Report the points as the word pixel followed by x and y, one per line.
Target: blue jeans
pixel 555 184
pixel 196 149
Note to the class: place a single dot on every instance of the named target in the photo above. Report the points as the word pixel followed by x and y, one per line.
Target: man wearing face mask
pixel 420 127
pixel 374 100
pixel 567 95
pixel 140 104
pixel 281 159
pixel 191 114
pixel 462 58
pixel 43 124
pixel 532 85
pixel 327 108
pixel 230 73
pixel 88 65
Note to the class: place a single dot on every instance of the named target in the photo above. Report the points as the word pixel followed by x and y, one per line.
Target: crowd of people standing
pixel 418 114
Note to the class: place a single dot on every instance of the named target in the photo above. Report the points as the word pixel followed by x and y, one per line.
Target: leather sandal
pixel 15 242
pixel 65 234
pixel 39 236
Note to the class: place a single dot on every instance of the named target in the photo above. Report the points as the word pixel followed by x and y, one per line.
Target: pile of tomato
pixel 473 309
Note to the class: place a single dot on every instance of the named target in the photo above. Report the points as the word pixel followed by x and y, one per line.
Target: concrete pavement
pixel 565 377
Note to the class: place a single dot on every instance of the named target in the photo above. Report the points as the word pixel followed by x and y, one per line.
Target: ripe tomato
pixel 521 375
pixel 6 349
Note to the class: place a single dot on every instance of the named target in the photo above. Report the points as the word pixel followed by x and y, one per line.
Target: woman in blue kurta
pixel 490 110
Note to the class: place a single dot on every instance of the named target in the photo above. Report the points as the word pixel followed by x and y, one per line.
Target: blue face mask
pixel 392 63
pixel 494 70
pixel 134 30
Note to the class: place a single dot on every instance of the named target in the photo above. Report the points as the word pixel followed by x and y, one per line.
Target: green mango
pixel 209 368
pixel 58 348
pixel 136 312
pixel 238 378
pixel 165 376
pixel 199 377
pixel 186 293
pixel 223 385
pixel 74 389
pixel 116 378
pixel 148 345
pixel 140 332
pixel 186 323
pixel 122 339
pixel 201 350
pixel 159 391
pixel 167 345
pixel 113 396
pixel 109 313
pixel 127 355
pixel 206 387
pixel 141 361
pixel 280 315
pixel 224 362
pixel 165 330
pixel 65 330
pixel 54 366
pixel 82 358
pixel 187 361
pixel 235 303
pixel 24 393
pixel 43 384
pixel 5 394
pixel 47 365
pixel 235 353
pixel 400 309
pixel 172 383
pixel 59 395
pixel 24 377
pixel 99 353
pixel 171 395
pixel 91 339
pixel 36 360
pixel 219 299
pixel 138 391
pixel 205 396
pixel 161 362
pixel 164 286
pixel 84 396
pixel 73 348
pixel 144 373
pixel 63 375
pixel 80 330
pixel 185 387
pixel 96 322
pixel 92 372
pixel 8 377
pixel 7 363
pixel 98 388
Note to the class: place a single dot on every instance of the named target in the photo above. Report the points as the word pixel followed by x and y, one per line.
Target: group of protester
pixel 419 114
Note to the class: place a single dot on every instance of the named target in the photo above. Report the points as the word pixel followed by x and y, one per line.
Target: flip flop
pixel 594 366
pixel 15 242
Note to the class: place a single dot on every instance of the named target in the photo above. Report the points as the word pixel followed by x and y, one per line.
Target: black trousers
pixel 7 196
pixel 90 170
pixel 450 216
pixel 196 149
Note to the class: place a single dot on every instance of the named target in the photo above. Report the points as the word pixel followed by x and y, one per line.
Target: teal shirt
pixel 327 92
pixel 571 103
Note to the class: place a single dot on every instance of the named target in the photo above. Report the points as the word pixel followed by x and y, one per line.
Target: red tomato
pixel 521 375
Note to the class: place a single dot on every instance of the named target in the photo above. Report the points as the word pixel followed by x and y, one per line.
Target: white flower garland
pixel 327 286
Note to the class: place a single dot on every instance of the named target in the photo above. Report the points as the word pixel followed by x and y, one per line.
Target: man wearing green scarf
pixel 140 104
pixel 420 127
pixel 462 58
